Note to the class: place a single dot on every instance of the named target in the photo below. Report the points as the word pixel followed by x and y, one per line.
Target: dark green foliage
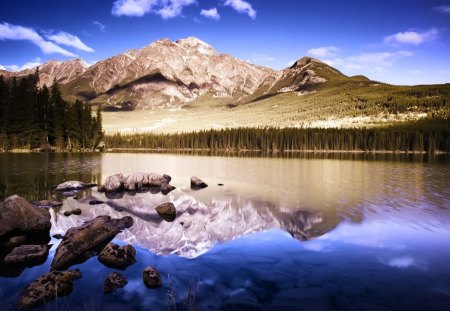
pixel 430 135
pixel 33 117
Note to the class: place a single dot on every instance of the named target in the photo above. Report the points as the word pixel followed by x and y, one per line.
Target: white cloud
pixel 2 68
pixel 376 61
pixel 101 26
pixel 67 39
pixel 324 51
pixel 242 7
pixel 164 8
pixel 14 32
pixel 211 14
pixel 413 37
pixel 443 9
pixel 258 58
pixel 31 64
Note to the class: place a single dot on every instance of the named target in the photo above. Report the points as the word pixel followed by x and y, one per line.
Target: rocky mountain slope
pixel 168 74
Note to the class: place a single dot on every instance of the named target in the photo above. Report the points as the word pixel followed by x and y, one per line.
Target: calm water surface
pixel 280 234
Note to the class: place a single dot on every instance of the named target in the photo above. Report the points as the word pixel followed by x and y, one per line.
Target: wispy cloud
pixel 242 7
pixel 211 14
pixel 164 8
pixel 376 61
pixel 101 26
pixel 31 64
pixel 2 68
pixel 324 51
pixel 412 37
pixel 67 39
pixel 261 58
pixel 443 9
pixel 444 72
pixel 15 32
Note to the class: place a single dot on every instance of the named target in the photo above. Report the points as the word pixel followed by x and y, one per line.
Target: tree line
pixel 429 136
pixel 37 117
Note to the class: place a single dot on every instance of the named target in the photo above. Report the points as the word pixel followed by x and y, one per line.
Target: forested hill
pixel 37 117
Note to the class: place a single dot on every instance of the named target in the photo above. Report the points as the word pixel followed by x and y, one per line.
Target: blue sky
pixel 399 42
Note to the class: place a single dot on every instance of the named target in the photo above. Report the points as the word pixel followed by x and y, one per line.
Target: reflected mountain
pixel 200 223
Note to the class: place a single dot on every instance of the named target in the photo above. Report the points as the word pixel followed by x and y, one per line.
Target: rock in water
pixel 113 281
pixel 47 203
pixel 113 183
pixel 166 188
pixel 27 255
pixel 151 277
pixel 93 235
pixel 18 218
pixel 48 287
pixel 134 182
pixel 167 211
pixel 197 183
pixel 95 202
pixel 73 185
pixel 119 257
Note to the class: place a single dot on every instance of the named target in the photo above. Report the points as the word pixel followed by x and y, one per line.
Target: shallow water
pixel 283 233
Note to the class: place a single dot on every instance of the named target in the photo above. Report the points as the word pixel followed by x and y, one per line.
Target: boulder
pixel 166 188
pixel 112 183
pixel 167 211
pixel 76 211
pixel 90 237
pixel 133 182
pixel 58 236
pixel 118 257
pixel 113 281
pixel 15 241
pixel 197 183
pixel 151 277
pixel 95 202
pixel 18 217
pixel 28 255
pixel 47 287
pixel 47 203
pixel 73 185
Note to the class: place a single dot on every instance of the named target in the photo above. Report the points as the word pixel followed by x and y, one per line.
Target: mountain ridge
pixel 170 74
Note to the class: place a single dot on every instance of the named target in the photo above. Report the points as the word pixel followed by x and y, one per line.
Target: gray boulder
pixel 90 238
pixel 119 257
pixel 113 281
pixel 113 183
pixel 47 203
pixel 18 217
pixel 133 182
pixel 47 287
pixel 73 185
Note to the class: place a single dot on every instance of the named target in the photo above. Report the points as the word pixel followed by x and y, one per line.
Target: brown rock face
pixel 90 237
pixel 48 287
pixel 119 257
pixel 18 217
pixel 151 277
pixel 167 211
pixel 113 281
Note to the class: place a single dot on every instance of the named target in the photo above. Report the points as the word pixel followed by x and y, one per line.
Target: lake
pixel 295 232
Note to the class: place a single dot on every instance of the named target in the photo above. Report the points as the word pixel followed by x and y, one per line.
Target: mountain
pixel 187 85
pixel 172 74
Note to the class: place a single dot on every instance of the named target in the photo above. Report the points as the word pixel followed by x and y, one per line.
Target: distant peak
pixel 304 61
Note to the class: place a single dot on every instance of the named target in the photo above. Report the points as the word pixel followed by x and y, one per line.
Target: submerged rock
pixel 113 281
pixel 197 183
pixel 95 202
pixel 119 257
pixel 92 236
pixel 47 287
pixel 167 211
pixel 73 185
pixel 27 255
pixel 19 218
pixel 151 277
pixel 47 203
